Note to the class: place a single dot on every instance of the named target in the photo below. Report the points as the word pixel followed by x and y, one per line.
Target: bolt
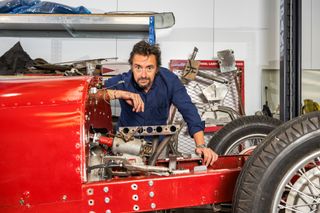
pixel 134 186
pixel 135 207
pixel 106 189
pixel 153 205
pixel 150 183
pixel 107 200
pixel 135 197
pixel 151 194
pixel 91 202
pixel 90 191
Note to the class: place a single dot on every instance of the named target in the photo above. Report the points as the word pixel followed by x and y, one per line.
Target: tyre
pixel 283 174
pixel 242 134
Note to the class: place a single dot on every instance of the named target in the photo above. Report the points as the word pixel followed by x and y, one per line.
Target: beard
pixel 144 83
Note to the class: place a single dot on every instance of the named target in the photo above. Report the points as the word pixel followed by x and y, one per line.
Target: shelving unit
pixel 83 25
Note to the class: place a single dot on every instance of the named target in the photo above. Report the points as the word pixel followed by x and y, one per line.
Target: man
pixel 147 91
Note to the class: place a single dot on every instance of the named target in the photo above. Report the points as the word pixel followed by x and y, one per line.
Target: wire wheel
pixel 299 190
pixel 240 136
pixel 283 173
pixel 245 144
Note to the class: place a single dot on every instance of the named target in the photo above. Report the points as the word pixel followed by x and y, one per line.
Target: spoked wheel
pixel 283 174
pixel 301 187
pixel 240 136
pixel 245 145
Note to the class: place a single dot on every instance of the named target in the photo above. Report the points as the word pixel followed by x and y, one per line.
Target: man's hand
pixel 133 99
pixel 209 156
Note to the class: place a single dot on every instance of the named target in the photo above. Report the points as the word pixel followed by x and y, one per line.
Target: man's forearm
pixel 113 94
pixel 199 138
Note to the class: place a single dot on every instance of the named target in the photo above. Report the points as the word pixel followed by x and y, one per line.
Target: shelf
pixel 82 25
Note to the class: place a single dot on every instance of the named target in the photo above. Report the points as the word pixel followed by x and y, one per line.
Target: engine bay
pixel 138 150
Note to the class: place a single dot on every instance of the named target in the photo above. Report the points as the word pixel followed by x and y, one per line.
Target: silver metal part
pixel 149 130
pixel 133 147
pixel 227 60
pixel 179 172
pixel 212 77
pixel 93 90
pixel 146 168
pixel 201 168
pixel 96 155
pixel 215 92
pixel 82 25
pixel 172 162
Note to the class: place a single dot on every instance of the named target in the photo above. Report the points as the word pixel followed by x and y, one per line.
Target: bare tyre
pixel 283 174
pixel 242 134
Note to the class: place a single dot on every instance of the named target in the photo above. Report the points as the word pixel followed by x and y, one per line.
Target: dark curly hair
pixel 146 49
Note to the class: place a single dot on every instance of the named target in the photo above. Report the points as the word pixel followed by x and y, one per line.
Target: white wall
pixel 249 27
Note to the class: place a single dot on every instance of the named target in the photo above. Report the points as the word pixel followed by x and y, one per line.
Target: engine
pixel 132 151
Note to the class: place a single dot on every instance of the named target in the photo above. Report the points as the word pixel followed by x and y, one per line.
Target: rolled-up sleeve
pixel 189 112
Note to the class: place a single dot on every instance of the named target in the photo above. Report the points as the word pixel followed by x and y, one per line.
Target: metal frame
pixel 290 59
pixel 109 25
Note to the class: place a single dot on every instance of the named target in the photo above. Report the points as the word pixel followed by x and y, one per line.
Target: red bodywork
pixel 44 147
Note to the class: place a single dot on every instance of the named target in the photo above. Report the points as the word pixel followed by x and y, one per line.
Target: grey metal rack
pixel 111 24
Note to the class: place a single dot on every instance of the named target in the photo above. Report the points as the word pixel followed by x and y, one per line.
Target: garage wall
pixel 249 27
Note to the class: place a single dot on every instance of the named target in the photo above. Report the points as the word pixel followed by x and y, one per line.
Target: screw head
pixel 151 194
pixel 107 200
pixel 134 186
pixel 106 189
pixel 153 205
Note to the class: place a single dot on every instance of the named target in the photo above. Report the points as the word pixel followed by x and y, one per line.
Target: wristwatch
pixel 201 146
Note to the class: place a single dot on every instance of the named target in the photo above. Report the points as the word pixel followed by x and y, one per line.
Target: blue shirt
pixel 166 89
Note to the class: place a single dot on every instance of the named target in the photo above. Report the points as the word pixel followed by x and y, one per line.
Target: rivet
pixel 77 145
pixel 136 208
pixel 91 202
pixel 78 170
pixel 135 197
pixel 64 197
pixel 107 200
pixel 150 183
pixel 106 189
pixel 90 191
pixel 153 205
pixel 134 186
pixel 108 211
pixel 151 194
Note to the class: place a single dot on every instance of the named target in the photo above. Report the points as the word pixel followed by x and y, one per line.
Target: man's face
pixel 144 70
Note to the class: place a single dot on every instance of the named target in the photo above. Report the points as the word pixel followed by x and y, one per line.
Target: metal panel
pixel 43 139
pixel 155 193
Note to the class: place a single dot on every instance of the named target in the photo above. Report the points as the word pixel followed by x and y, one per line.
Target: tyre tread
pixel 256 166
